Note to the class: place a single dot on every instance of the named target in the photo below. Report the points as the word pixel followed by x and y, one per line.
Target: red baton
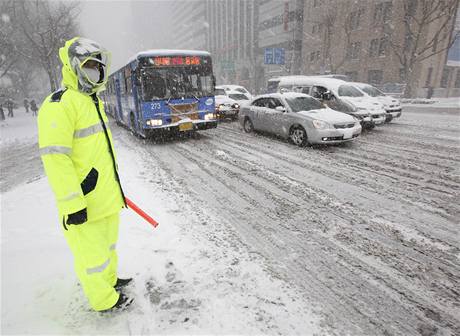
pixel 140 212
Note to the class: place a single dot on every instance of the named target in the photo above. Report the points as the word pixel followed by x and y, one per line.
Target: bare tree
pixel 328 23
pixel 428 27
pixel 45 26
pixel 8 52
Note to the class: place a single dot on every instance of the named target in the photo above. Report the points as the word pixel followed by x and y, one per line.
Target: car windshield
pixel 240 90
pixel 219 92
pixel 298 104
pixel 372 91
pixel 349 91
pixel 238 96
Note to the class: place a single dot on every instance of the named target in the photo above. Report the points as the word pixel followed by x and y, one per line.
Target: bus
pixel 163 91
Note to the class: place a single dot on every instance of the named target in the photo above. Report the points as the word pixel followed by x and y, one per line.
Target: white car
pixel 392 105
pixel 226 107
pixel 299 118
pixel 238 88
pixel 241 98
pixel 332 91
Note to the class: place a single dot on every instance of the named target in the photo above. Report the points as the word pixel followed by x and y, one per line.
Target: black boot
pixel 122 283
pixel 122 304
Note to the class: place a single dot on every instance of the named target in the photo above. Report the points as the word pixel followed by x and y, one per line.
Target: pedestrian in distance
pixel 2 113
pixel 33 107
pixel 73 137
pixel 26 105
pixel 10 105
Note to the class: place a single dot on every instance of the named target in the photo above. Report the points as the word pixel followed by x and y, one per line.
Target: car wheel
pixel 298 136
pixel 248 126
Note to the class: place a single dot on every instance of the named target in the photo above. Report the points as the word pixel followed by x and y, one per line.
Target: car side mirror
pixel 280 109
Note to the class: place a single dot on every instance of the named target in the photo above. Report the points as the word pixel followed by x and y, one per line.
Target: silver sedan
pixel 299 118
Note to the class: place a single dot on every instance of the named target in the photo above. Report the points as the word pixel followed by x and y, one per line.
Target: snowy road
pixel 366 233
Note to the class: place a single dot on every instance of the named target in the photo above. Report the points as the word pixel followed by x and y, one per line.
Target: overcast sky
pixel 127 27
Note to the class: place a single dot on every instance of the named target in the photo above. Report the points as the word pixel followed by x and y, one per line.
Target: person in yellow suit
pixel 78 156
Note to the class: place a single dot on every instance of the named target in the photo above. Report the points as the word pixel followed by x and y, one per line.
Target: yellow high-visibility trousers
pixel 93 245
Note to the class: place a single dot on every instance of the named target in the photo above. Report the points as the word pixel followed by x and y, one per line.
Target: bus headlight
pixel 155 122
pixel 209 116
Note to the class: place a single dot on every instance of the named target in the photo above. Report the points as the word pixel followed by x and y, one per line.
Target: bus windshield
pixel 175 82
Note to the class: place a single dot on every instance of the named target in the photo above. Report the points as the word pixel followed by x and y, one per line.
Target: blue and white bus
pixel 163 91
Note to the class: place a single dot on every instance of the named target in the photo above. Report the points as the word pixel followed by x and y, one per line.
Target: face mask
pixel 93 74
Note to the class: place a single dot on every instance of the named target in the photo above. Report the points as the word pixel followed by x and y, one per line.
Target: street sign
pixel 279 55
pixel 268 56
pixel 274 56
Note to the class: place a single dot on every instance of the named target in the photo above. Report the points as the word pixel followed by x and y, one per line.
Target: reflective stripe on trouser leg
pixel 90 244
pixel 113 237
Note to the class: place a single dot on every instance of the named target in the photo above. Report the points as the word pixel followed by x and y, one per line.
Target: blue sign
pixel 274 56
pixel 268 56
pixel 279 55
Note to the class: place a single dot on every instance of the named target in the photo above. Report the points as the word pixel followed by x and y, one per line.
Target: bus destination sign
pixel 176 60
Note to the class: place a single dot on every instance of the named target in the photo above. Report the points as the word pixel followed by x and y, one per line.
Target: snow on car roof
pixel 362 85
pixel 167 52
pixel 332 83
pixel 281 95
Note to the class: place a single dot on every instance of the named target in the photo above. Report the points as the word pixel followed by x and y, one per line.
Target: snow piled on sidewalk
pixel 453 102
pixel 188 280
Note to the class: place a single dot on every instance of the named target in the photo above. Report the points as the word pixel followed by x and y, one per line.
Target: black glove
pixel 78 217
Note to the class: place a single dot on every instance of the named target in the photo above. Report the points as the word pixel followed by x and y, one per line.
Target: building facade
pixel 280 26
pixel 370 41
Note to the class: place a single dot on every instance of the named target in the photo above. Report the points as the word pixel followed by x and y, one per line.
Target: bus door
pixel 136 101
pixel 119 114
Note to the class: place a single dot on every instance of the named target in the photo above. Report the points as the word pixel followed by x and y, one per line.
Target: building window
pixel 387 11
pixel 445 77
pixel 408 41
pixel 457 80
pixel 382 12
pixel 383 46
pixel 402 75
pixel 375 76
pixel 428 77
pixel 353 50
pixel 374 48
pixel 314 56
pixel 352 75
pixel 355 19
pixel 378 13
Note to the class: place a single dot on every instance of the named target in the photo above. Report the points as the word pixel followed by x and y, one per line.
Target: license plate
pixel 185 126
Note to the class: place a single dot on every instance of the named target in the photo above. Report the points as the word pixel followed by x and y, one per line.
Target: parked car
pixel 337 94
pixel 240 98
pixel 226 107
pixel 300 118
pixel 392 105
pixel 238 88
pixel 393 89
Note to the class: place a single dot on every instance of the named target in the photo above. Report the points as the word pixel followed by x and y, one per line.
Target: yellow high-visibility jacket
pixel 75 150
